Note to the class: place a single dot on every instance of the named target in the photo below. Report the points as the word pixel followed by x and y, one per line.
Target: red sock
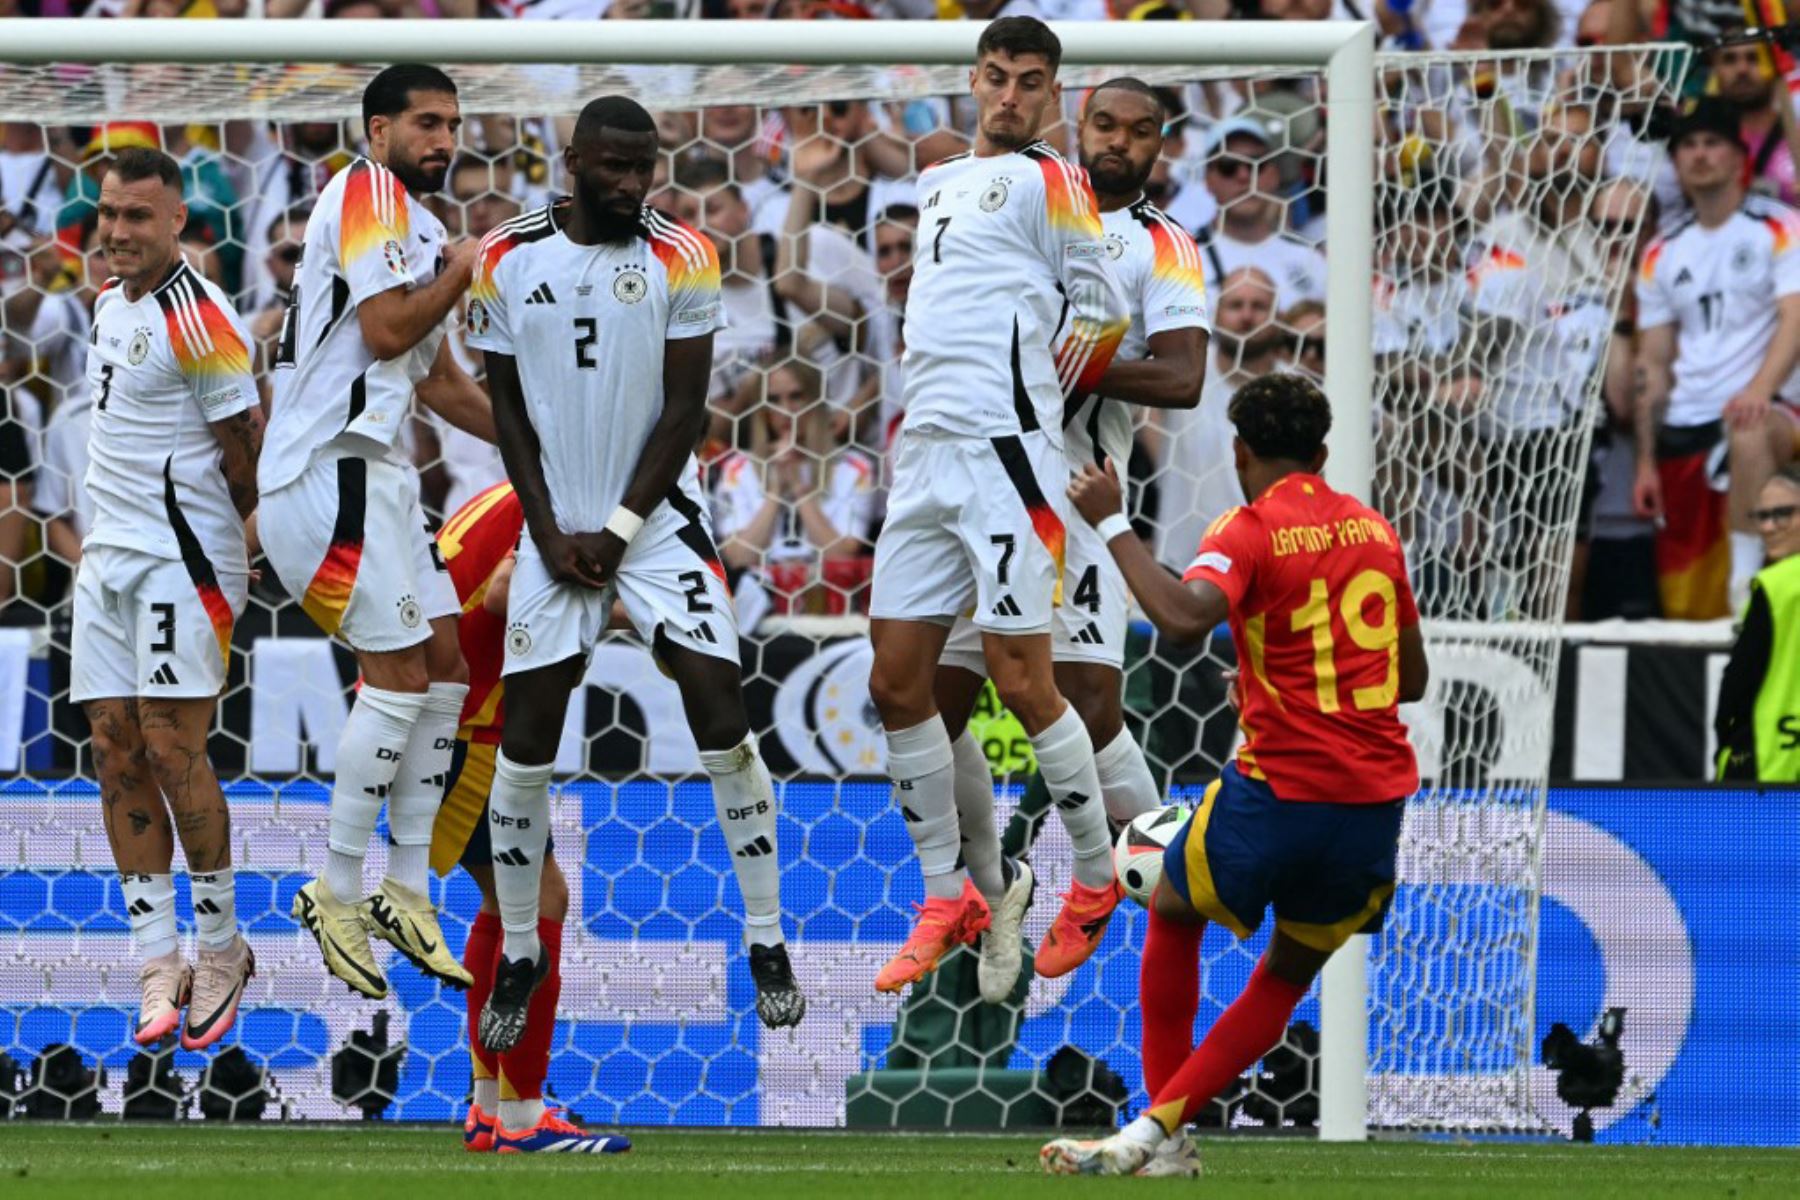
pixel 1169 991
pixel 1245 1032
pixel 522 1069
pixel 481 955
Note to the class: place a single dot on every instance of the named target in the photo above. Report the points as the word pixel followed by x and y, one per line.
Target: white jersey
pixel 1009 248
pixel 1160 269
pixel 160 370
pixel 847 500
pixel 1719 287
pixel 61 485
pixel 367 235
pixel 1297 270
pixel 1419 318
pixel 588 326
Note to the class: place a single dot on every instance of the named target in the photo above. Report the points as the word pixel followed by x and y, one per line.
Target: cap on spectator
pixel 1158 10
pixel 1240 127
pixel 1709 114
pixel 115 136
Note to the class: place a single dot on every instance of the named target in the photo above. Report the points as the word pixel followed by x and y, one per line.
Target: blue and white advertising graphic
pixel 1679 906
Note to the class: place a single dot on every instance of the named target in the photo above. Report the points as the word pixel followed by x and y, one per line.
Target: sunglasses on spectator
pixel 1780 516
pixel 1613 227
pixel 289 254
pixel 1231 166
pixel 1310 345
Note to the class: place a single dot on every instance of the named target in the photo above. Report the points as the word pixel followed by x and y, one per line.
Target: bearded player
pixel 1307 818
pixel 164 574
pixel 596 315
pixel 1160 364
pixel 477 543
pixel 1010 247
pixel 341 520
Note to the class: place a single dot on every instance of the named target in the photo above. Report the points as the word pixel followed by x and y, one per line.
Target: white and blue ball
pixel 1138 853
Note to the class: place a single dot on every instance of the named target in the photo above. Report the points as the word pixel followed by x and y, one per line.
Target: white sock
pixel 215 908
pixel 368 756
pixel 1145 1130
pixel 1065 758
pixel 1125 780
pixel 744 799
pixel 519 827
pixel 487 1095
pixel 419 785
pixel 150 907
pixel 975 817
pixel 517 1115
pixel 922 766
pixel 1746 559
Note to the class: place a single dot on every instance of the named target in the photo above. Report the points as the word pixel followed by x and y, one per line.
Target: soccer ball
pixel 1138 854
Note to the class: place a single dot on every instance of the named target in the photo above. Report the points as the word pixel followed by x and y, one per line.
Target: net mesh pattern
pixel 1488 375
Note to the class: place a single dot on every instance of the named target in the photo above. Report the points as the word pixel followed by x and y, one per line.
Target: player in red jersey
pixel 477 544
pixel 1308 817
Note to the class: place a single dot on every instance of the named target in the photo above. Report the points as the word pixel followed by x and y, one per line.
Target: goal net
pixel 1500 261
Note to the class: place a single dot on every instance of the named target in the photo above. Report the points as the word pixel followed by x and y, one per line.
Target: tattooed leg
pixel 174 733
pixel 137 822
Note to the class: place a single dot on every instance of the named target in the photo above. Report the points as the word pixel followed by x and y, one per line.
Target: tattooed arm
pixel 240 440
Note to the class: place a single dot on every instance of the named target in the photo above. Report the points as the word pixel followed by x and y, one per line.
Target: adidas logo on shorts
pixel 1090 636
pixel 1008 607
pixel 165 677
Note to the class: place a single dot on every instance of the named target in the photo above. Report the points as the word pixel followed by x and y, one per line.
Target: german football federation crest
pixel 994 197
pixel 410 612
pixel 395 254
pixel 478 318
pixel 630 287
pixel 518 640
pixel 139 349
pixel 1743 257
pixel 1115 247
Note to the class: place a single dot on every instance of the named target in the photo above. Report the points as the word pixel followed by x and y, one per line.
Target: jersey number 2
pixel 1315 615
pixel 587 333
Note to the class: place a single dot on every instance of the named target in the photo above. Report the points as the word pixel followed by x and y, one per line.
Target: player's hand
pixel 1646 492
pixel 604 550
pixel 459 259
pixel 1748 409
pixel 1234 688
pixel 569 560
pixel 1096 494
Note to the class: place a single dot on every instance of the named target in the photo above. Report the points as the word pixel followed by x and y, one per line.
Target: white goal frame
pixel 1343 51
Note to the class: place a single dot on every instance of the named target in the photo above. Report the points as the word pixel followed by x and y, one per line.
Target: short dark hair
pixel 135 163
pixel 1131 83
pixel 899 214
pixel 390 93
pixel 1281 416
pixel 613 112
pixel 1015 36
pixel 701 172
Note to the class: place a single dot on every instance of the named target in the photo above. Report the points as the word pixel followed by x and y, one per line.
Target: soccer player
pixel 596 315
pixel 1009 237
pixel 341 520
pixel 1308 816
pixel 477 543
pixel 176 429
pixel 1160 363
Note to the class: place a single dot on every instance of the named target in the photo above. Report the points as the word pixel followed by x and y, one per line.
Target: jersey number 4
pixel 1315 615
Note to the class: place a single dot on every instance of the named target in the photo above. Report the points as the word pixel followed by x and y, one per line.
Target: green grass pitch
pixel 115 1162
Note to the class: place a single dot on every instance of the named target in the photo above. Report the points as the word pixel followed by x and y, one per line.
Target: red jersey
pixel 1319 594
pixel 474 542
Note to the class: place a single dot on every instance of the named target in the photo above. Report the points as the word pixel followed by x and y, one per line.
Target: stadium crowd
pixel 1496 178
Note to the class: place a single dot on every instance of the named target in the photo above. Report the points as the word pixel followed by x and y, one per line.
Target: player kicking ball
pixel 164 574
pixel 477 545
pixel 1314 583
pixel 1161 364
pixel 597 317
pixel 1010 244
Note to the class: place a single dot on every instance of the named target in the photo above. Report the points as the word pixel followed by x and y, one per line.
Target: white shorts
pixel 1090 623
pixel 149 626
pixel 976 527
pixel 349 541
pixel 670 581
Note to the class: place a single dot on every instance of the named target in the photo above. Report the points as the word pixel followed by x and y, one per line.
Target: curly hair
pixel 1281 416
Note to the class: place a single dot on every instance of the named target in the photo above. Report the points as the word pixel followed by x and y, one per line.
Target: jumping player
pixel 163 577
pixel 1307 818
pixel 596 315
pixel 1010 248
pixel 1160 364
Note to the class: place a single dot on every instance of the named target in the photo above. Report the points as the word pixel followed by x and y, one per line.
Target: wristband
pixel 624 524
pixel 1113 526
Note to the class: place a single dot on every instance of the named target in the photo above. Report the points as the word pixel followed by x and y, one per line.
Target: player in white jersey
pixel 1719 310
pixel 175 433
pixel 1160 363
pixel 1010 252
pixel 341 520
pixel 596 315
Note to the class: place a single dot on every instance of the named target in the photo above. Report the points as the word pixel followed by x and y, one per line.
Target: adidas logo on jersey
pixel 1683 276
pixel 542 295
pixel 1008 607
pixel 165 677
pixel 1090 636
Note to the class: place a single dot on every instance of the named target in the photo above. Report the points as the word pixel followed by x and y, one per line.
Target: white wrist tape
pixel 1113 526
pixel 624 523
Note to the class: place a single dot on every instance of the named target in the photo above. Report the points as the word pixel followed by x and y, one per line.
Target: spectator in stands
pixel 1744 76
pixel 1719 310
pixel 1194 478
pixel 286 236
pixel 35 169
pixel 480 196
pixel 1244 177
pixel 60 496
pixel 1305 350
pixel 1758 718
pixel 210 196
pixel 735 132
pixel 308 154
